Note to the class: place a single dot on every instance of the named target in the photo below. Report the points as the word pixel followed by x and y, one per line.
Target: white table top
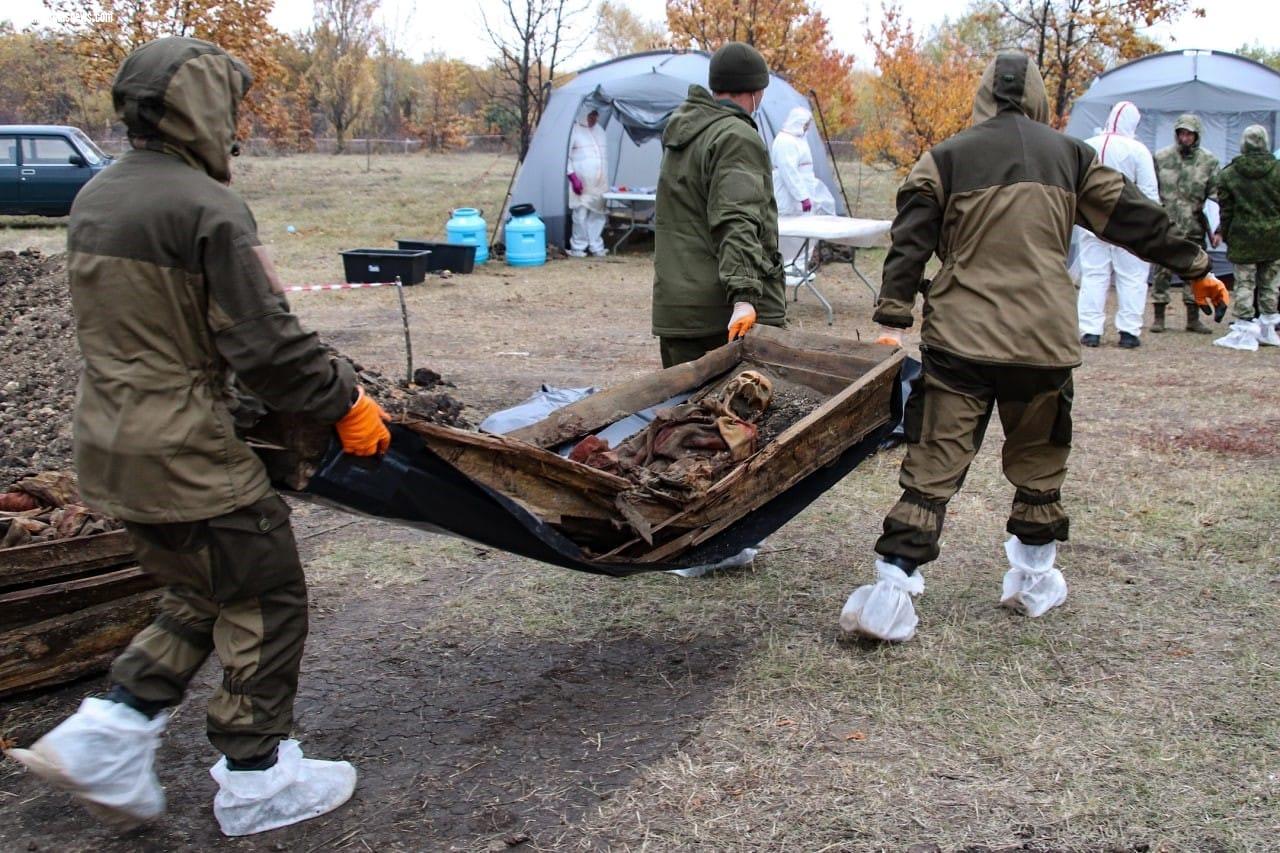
pixel 861 233
pixel 630 196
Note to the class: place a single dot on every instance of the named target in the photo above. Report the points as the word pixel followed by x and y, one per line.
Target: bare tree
pixel 532 37
pixel 341 73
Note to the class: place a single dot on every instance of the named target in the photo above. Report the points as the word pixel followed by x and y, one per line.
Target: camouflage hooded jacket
pixel 1249 193
pixel 996 204
pixel 172 290
pixel 1187 180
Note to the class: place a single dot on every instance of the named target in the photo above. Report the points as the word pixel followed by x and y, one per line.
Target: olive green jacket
pixel 172 291
pixel 717 222
pixel 996 204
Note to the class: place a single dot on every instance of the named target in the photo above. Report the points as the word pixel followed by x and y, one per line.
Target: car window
pixel 46 151
pixel 8 152
pixel 91 152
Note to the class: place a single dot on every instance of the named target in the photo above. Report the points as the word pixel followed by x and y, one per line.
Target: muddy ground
pixel 490 701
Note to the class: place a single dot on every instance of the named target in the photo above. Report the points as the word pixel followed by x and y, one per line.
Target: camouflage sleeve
pixel 915 234
pixel 254 330
pixel 738 197
pixel 1211 185
pixel 1226 209
pixel 1112 207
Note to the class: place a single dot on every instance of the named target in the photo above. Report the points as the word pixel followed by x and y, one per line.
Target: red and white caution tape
pixel 348 286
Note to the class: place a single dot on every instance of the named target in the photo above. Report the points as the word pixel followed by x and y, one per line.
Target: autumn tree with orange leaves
pixel 923 94
pixel 106 31
pixel 1073 41
pixel 792 37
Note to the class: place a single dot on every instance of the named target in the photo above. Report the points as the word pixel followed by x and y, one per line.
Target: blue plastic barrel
pixel 467 228
pixel 526 237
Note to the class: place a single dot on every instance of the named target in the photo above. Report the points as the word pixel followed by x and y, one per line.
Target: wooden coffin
pixel 615 522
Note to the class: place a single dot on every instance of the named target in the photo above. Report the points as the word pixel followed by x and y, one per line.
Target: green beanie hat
pixel 738 67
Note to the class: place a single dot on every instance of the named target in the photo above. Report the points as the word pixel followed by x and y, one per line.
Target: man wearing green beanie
pixel 717 269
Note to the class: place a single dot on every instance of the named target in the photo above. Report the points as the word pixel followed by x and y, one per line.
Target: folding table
pixel 841 230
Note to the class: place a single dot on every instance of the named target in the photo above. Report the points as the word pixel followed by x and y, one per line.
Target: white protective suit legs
pixel 1099 263
pixel 588 230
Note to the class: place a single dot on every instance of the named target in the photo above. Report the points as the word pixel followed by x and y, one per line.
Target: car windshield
pixel 92 152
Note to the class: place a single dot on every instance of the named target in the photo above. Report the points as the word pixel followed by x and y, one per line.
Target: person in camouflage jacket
pixel 995 204
pixel 173 293
pixel 1249 194
pixel 1188 177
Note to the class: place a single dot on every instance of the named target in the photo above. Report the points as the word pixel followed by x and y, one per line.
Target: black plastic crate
pixel 372 265
pixel 454 257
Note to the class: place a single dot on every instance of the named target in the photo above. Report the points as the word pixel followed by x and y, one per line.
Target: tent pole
pixel 506 199
pixel 834 165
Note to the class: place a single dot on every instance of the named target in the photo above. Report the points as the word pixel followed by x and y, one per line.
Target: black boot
pixel 1091 340
pixel 1158 325
pixel 1128 341
pixel 1193 320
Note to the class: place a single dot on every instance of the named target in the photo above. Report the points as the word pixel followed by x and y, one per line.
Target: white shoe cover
pixel 294 789
pixel 1267 330
pixel 883 610
pixel 744 559
pixel 1033 586
pixel 1243 336
pixel 104 755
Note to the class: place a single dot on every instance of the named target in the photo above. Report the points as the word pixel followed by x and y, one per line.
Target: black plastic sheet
pixel 413 486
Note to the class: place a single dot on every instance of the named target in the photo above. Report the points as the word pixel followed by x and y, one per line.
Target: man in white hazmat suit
pixel 1099 260
pixel 588 182
pixel 795 186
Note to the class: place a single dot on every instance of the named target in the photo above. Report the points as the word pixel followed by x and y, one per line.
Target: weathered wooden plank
pixel 25 606
pixel 613 404
pixel 817 342
pixel 67 647
pixel 837 364
pixel 43 562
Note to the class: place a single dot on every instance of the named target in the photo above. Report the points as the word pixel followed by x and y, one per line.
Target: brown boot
pixel 1158 325
pixel 1193 320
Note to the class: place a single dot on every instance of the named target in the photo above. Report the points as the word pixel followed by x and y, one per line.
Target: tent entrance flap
pixel 642 104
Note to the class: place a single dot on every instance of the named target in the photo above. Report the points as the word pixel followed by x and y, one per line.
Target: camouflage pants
pixel 1261 279
pixel 233 584
pixel 946 418
pixel 1163 278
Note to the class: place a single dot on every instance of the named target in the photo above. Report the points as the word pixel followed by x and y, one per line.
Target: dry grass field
pixel 493 703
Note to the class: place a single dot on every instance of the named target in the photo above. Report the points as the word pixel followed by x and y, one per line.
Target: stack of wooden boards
pixel 68 607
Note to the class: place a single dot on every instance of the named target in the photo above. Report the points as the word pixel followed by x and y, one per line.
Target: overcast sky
pixel 454 28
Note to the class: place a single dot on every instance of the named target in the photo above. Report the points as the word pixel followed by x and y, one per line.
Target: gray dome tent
pixel 1227 91
pixel 635 95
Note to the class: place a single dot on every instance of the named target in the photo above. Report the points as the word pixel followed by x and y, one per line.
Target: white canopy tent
pixel 635 95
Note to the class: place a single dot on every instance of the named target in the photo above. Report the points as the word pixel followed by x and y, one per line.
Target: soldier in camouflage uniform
pixel 1249 192
pixel 1188 176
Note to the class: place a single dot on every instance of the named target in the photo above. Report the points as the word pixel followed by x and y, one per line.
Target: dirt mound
pixel 41 365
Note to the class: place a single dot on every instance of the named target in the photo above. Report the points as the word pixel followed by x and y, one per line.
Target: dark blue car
pixel 42 167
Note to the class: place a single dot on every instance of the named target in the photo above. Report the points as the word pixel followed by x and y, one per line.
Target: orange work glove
pixel 890 336
pixel 1211 295
pixel 361 429
pixel 743 318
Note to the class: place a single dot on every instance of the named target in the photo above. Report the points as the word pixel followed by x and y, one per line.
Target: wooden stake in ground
pixel 408 342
